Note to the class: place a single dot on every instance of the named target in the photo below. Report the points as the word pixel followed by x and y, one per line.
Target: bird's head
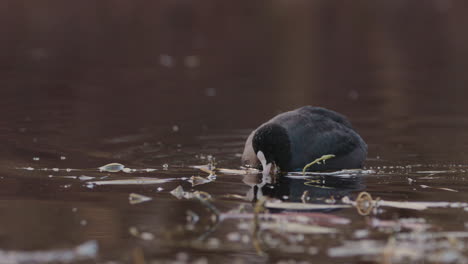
pixel 272 147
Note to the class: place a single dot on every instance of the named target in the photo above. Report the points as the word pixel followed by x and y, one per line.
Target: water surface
pixel 161 87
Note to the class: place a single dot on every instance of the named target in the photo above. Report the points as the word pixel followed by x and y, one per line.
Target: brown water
pixel 167 85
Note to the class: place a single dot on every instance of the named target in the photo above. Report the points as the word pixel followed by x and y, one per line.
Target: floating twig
pixel 317 161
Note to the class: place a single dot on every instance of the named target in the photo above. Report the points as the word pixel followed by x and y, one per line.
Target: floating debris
pixel 234 236
pixel 235 172
pixel 439 188
pixel 112 167
pixel 357 248
pixel 365 204
pixel 298 217
pixel 179 193
pixel 85 178
pixel 447 189
pixel 361 233
pixel 341 173
pixel 135 198
pixel 434 172
pixel 36 158
pixel 413 224
pixel 303 206
pixel 63 158
pixel 442 247
pixel 235 196
pixel 133 181
pixel 197 180
pixel 413 205
pixel 317 161
pixel 85 251
pixel 142 235
pixel 211 170
pixel 289 227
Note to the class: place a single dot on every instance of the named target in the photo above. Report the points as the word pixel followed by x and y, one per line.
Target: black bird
pixel 293 139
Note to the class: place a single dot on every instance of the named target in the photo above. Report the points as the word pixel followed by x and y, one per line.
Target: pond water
pixel 160 92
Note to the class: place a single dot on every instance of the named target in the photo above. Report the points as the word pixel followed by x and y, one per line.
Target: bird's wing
pixel 322 137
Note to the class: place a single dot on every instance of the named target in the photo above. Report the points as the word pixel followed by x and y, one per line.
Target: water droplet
pixel 63 158
pixel 84 177
pixel 234 236
pixel 192 61
pixel 166 60
pixel 353 95
pixel 146 236
pixel 210 92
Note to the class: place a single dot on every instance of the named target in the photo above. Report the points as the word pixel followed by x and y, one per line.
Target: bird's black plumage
pixel 293 139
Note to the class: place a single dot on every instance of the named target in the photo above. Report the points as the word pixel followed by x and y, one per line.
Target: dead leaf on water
pixel 135 198
pixel 112 167
pixel 303 206
pixel 211 170
pixel 197 180
pixel 132 181
pixel 235 172
pixel 439 188
pixel 235 196
pixel 289 227
pixel 179 193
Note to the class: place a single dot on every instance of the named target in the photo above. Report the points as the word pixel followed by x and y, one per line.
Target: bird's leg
pixel 317 161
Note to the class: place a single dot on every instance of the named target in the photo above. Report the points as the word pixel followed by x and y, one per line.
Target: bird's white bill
pixel 266 167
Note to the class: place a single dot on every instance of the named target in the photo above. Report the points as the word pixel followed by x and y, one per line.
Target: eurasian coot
pixel 293 139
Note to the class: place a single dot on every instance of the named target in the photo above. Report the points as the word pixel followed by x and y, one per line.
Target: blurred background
pixel 233 59
pixel 131 65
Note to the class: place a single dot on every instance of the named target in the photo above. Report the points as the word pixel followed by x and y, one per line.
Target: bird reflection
pixel 301 189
